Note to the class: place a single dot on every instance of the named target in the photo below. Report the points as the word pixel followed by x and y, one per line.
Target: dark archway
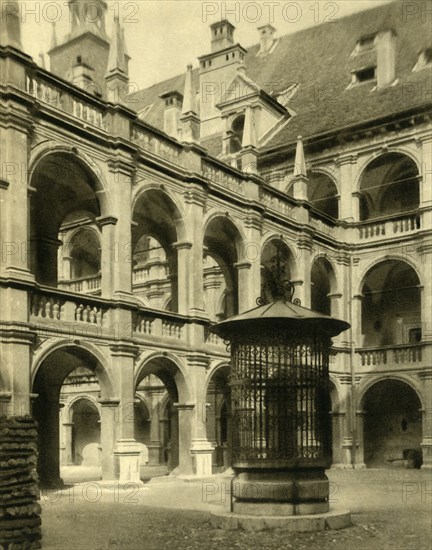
pixel 221 244
pixel 391 305
pixel 49 380
pixel 154 233
pixel 392 425
pixel 276 262
pixel 218 418
pixel 323 281
pixel 65 192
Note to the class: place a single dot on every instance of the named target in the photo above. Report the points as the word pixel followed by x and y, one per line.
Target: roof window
pixel 424 60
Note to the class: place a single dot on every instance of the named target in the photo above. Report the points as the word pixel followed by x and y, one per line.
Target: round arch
pixel 169 369
pixel 389 257
pixel 392 423
pixel 68 411
pixel 323 285
pixel 238 229
pixel 102 370
pixel 177 208
pixel 389 185
pixel 293 252
pixel 368 383
pixel 46 149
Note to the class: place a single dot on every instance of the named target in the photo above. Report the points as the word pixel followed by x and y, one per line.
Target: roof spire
pixel 54 41
pixel 117 60
pixel 189 96
pixel 300 162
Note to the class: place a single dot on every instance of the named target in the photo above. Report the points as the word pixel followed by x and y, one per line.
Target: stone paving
pixel 391 509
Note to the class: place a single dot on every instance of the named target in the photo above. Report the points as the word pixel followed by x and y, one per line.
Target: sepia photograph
pixel 215 274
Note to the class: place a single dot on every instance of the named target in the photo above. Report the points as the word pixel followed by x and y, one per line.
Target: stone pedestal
pixel 127 461
pixel 202 452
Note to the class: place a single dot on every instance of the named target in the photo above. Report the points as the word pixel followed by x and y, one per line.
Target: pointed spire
pixel 249 131
pixel 117 60
pixel 300 162
pixel 54 41
pixel 189 96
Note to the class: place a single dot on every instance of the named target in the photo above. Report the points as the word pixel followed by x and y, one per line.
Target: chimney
pixel 10 24
pixel 386 58
pixel 222 35
pixel 173 106
pixel 267 40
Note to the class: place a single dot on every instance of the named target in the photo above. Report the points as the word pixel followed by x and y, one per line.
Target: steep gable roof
pixel 318 60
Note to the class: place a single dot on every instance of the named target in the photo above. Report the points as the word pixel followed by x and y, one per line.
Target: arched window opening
pixel 323 195
pixel 322 281
pixel 391 304
pixel 236 137
pixel 389 187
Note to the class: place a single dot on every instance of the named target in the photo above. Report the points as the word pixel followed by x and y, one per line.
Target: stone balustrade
pixel 70 100
pixel 277 201
pixel 158 144
pixel 408 223
pixel 400 354
pixel 225 178
pixel 85 285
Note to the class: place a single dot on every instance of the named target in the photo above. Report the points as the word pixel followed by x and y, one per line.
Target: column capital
pixel 106 220
pixel 124 349
pixel 243 265
pixel 184 406
pixel 180 245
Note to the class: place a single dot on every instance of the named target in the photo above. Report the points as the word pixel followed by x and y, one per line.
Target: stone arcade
pixel 131 223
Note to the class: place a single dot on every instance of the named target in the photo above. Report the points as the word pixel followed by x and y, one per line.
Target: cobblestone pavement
pixel 391 509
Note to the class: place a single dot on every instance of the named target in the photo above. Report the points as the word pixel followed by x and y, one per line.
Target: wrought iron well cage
pixel 280 405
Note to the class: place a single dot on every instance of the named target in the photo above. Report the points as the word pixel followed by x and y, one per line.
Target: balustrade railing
pixel 225 178
pixel 274 200
pixel 388 355
pixel 46 89
pixel 378 229
pixel 46 305
pixel 155 143
pixel 85 285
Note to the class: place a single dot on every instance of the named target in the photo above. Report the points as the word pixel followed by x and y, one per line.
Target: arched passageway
pixel 164 386
pixel 323 283
pixel 221 244
pixel 323 195
pixel 65 197
pixel 154 260
pixel 391 305
pixel 57 368
pixel 392 425
pixel 86 434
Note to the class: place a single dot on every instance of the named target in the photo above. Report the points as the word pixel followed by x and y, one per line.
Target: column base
pixel 127 461
pixel 202 454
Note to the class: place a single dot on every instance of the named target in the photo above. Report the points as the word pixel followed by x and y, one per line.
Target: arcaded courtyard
pixel 391 509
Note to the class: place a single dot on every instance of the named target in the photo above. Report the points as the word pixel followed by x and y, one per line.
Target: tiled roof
pixel 319 60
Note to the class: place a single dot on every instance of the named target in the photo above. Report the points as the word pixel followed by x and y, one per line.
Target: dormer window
pixel 365 44
pixel 424 60
pixel 366 74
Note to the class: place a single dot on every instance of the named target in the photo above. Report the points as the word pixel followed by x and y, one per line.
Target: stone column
pixel 426 443
pixel 121 174
pixel 67 439
pixel 302 279
pixel 349 201
pixel 426 172
pixel 245 286
pixel 185 422
pixel 109 421
pixel 184 275
pixel 201 449
pixel 194 199
pixel 108 253
pixel 126 451
pixel 155 444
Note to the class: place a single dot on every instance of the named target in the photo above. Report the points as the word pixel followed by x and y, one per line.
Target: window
pixel 365 44
pixel 236 138
pixel 366 74
pixel 424 60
